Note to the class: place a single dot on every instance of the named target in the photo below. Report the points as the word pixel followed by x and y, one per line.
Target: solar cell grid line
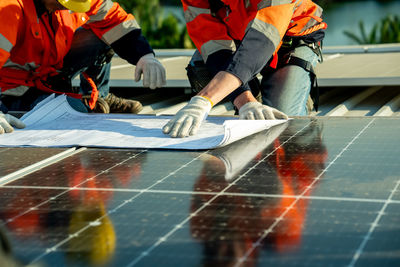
pixel 367 237
pixel 64 192
pixel 269 230
pixel 54 248
pixel 181 192
pixel 178 226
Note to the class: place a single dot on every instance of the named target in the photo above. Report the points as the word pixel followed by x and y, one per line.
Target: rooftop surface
pixel 320 190
pixel 357 80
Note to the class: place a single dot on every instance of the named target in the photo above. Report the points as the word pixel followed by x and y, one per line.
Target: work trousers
pixel 287 88
pixel 87 54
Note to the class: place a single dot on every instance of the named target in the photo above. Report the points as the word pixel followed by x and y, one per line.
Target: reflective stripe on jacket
pixel 259 25
pixel 272 18
pixel 31 49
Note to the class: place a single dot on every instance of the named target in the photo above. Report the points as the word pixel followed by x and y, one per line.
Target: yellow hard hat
pixel 80 6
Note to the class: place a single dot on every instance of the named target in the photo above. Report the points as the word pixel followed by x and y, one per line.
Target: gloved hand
pixel 153 72
pixel 188 120
pixel 7 121
pixel 258 111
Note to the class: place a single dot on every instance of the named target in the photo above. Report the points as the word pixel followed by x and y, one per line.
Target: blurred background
pixel 349 22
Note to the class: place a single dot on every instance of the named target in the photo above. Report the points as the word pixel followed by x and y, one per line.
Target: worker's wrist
pixel 243 99
pixel 149 55
pixel 208 99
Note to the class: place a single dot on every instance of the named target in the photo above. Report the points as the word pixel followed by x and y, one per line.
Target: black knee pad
pixel 198 75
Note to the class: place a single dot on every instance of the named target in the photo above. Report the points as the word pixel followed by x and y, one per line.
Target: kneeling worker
pixel 44 44
pixel 236 41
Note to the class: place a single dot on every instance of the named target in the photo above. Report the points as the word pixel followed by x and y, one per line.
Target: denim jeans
pixel 287 88
pixel 87 54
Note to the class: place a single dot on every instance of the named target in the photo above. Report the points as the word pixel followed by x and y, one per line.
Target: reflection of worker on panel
pixel 232 224
pixel 236 41
pixel 7 258
pixel 79 216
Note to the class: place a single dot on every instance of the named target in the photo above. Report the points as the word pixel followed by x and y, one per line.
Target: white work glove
pixel 153 72
pixel 188 120
pixel 258 111
pixel 7 121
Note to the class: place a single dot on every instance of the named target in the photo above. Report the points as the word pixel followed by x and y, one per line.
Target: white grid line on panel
pixel 375 224
pixel 184 192
pixel 269 230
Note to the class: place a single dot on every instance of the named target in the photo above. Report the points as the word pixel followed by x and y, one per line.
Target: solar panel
pixel 320 192
pixel 13 159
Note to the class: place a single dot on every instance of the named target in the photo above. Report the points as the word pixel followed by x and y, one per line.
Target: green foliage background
pixel 166 31
pixel 385 31
pixel 161 31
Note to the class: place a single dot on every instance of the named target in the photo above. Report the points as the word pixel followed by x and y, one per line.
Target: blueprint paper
pixel 54 123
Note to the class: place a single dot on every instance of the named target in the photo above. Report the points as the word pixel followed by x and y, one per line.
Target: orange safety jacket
pixel 31 49
pixel 259 25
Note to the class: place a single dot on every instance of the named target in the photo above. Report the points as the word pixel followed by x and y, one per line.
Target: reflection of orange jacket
pixel 244 219
pixel 296 173
pixel 31 48
pixel 28 220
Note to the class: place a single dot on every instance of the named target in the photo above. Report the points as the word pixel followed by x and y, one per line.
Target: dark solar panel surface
pixel 326 192
pixel 13 159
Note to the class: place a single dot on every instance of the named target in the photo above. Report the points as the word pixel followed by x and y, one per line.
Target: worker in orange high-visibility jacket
pixel 45 43
pixel 237 40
